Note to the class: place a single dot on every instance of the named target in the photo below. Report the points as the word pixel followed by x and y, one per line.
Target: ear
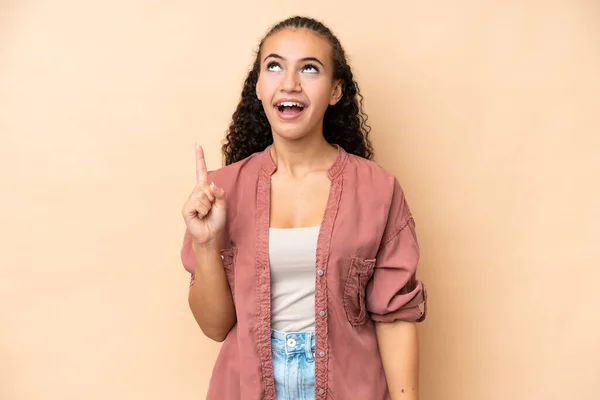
pixel 256 86
pixel 336 93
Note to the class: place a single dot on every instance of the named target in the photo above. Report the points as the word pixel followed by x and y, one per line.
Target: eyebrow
pixel 273 55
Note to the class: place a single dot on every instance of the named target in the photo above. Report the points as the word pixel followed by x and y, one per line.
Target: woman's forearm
pixel 210 297
pixel 399 348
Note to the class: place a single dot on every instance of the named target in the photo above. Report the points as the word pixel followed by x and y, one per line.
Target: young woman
pixel 302 251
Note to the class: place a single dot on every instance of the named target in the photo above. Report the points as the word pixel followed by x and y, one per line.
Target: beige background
pixel 487 111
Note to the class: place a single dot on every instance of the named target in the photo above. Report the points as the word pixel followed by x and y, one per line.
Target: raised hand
pixel 204 211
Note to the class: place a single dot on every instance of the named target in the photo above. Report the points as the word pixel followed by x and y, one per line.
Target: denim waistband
pixel 293 342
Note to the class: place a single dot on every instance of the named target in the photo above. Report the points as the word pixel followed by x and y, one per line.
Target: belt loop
pixel 308 345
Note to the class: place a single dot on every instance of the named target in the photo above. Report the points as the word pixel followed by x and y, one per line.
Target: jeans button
pixel 291 342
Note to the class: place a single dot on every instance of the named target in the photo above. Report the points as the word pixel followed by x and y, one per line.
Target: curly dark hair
pixel 344 124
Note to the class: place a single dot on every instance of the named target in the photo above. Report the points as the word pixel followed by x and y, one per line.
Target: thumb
pixel 219 194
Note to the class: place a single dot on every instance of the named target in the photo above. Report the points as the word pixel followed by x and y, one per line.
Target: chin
pixel 293 130
pixel 290 133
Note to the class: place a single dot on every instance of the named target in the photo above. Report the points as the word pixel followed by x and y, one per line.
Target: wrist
pixel 210 246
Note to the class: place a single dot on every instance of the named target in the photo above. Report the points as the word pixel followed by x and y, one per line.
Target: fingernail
pixel 212 186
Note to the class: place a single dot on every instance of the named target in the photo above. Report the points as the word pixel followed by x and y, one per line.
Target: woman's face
pixel 295 83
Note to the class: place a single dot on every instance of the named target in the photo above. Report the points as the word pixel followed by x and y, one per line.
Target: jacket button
pixel 321 313
pixel 322 354
pixel 320 272
pixel 321 391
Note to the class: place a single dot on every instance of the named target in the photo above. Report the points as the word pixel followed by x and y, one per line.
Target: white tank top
pixel 292 256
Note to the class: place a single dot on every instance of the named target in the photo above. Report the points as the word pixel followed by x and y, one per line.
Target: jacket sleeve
pixel 393 292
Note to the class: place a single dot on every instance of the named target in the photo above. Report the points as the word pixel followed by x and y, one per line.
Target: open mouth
pixel 289 109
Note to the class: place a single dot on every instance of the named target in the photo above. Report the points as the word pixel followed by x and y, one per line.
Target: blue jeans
pixel 293 364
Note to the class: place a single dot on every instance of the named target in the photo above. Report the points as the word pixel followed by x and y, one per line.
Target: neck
pixel 301 157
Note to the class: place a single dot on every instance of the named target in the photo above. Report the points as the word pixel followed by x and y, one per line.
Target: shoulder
pixel 368 175
pixel 228 177
pixel 377 194
pixel 377 188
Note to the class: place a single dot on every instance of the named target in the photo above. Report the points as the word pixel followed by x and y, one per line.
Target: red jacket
pixel 367 256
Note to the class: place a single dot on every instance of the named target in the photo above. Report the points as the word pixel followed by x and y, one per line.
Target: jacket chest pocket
pixel 359 274
pixel 229 257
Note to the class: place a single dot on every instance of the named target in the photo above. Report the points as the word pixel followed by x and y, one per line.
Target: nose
pixel 290 82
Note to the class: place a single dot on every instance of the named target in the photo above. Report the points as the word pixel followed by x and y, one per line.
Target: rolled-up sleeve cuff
pixel 413 310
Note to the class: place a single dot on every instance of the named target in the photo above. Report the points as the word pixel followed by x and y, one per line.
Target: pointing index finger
pixel 201 172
